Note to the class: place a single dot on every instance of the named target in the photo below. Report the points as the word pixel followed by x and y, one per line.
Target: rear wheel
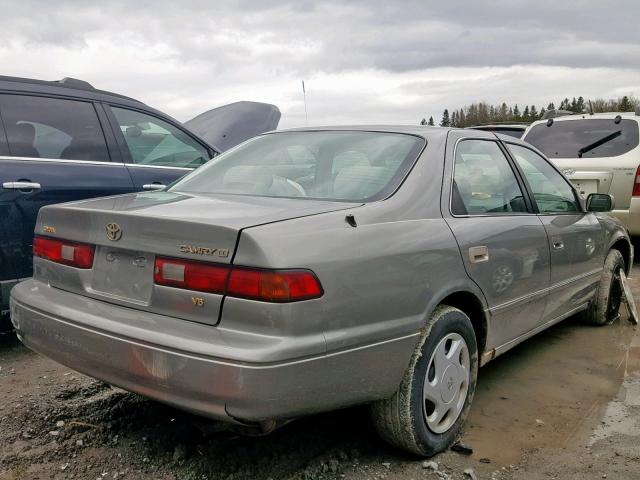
pixel 425 416
pixel 606 305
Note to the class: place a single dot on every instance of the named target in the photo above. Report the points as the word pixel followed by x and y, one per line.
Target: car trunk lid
pixel 130 231
pixel 587 180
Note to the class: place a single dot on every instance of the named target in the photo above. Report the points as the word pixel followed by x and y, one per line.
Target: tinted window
pixel 484 182
pixel 551 191
pixel 152 141
pixel 565 139
pixel 44 127
pixel 352 166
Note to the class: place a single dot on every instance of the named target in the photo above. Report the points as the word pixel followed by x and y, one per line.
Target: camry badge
pixel 114 232
pixel 195 250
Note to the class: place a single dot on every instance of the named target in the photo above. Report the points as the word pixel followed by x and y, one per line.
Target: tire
pixel 606 304
pixel 408 420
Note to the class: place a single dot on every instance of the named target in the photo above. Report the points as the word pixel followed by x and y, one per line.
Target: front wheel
pixel 425 416
pixel 606 304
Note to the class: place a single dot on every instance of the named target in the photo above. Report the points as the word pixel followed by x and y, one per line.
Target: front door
pixel 56 153
pixel 576 240
pixel 156 152
pixel 502 242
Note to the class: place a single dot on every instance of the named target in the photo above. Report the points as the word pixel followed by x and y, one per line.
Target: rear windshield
pixel 344 165
pixel 586 138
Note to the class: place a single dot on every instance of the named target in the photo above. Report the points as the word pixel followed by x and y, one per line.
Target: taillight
pixel 198 276
pixel 273 285
pixel 78 255
pixel 280 286
pixel 636 183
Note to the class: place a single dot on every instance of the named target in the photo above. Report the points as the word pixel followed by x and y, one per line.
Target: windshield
pixel 572 138
pixel 334 165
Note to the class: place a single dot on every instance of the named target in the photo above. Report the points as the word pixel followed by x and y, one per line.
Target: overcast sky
pixel 362 61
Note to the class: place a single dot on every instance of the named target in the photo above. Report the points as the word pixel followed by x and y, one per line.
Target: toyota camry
pixel 313 269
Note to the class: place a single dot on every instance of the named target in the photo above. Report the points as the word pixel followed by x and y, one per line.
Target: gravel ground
pixel 564 405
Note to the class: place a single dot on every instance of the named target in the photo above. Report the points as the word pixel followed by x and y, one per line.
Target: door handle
pixel 479 254
pixel 21 186
pixel 153 186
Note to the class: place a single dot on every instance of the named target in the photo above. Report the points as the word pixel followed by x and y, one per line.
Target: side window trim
pixel 122 143
pixel 4 135
pixel 531 208
pixel 576 197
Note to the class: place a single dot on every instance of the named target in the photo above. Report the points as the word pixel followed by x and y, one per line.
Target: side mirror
pixel 600 202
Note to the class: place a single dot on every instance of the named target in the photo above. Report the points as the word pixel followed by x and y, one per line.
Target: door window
pixel 483 181
pixel 154 142
pixel 551 191
pixel 43 127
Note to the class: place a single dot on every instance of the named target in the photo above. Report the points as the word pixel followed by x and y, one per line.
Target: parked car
pixel 65 140
pixel 598 153
pixel 512 129
pixel 312 269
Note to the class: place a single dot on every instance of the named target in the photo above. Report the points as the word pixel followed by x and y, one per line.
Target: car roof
pixel 72 88
pixel 423 131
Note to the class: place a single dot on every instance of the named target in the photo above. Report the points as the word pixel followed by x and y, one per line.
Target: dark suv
pixel 65 140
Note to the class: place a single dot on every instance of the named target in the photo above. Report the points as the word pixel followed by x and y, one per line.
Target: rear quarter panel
pixel 382 278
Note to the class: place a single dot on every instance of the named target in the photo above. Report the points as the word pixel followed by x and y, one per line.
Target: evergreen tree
pixel 462 118
pixel 423 121
pixel 541 114
pixel 533 113
pixel 504 111
pixel 516 112
pixel 551 106
pixel 445 122
pixel 525 114
pixel 574 105
pixel 431 123
pixel 625 105
pixel 454 115
pixel 580 105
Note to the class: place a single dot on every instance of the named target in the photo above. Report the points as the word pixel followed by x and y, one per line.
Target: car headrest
pixel 360 181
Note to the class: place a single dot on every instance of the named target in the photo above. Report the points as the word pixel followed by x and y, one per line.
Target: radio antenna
pixel 304 96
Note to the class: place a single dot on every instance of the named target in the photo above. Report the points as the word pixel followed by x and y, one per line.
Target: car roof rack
pixel 66 82
pixel 75 83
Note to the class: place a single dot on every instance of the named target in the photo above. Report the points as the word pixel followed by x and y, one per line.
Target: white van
pixel 598 153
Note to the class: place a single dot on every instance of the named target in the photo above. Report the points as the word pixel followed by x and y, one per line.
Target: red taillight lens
pixel 78 255
pixel 279 286
pixel 274 285
pixel 636 184
pixel 198 276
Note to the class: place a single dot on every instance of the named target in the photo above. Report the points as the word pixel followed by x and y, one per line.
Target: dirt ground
pixel 565 405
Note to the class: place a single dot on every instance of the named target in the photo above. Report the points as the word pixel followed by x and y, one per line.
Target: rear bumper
pixel 630 217
pixel 221 388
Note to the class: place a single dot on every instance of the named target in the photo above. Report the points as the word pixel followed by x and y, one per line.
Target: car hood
pixel 227 126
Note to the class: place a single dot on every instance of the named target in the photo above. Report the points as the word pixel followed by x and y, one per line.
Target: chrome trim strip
pixel 91 162
pixel 544 291
pixel 60 160
pixel 140 165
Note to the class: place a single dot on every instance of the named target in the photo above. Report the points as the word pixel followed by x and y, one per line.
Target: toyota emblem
pixel 114 232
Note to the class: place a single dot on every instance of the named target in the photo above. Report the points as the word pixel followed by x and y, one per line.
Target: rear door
pixel 155 151
pixel 56 152
pixel 503 243
pixel 576 240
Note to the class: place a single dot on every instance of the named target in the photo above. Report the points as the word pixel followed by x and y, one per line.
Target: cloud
pixel 363 61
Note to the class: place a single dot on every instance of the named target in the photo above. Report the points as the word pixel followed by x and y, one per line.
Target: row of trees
pixel 481 112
